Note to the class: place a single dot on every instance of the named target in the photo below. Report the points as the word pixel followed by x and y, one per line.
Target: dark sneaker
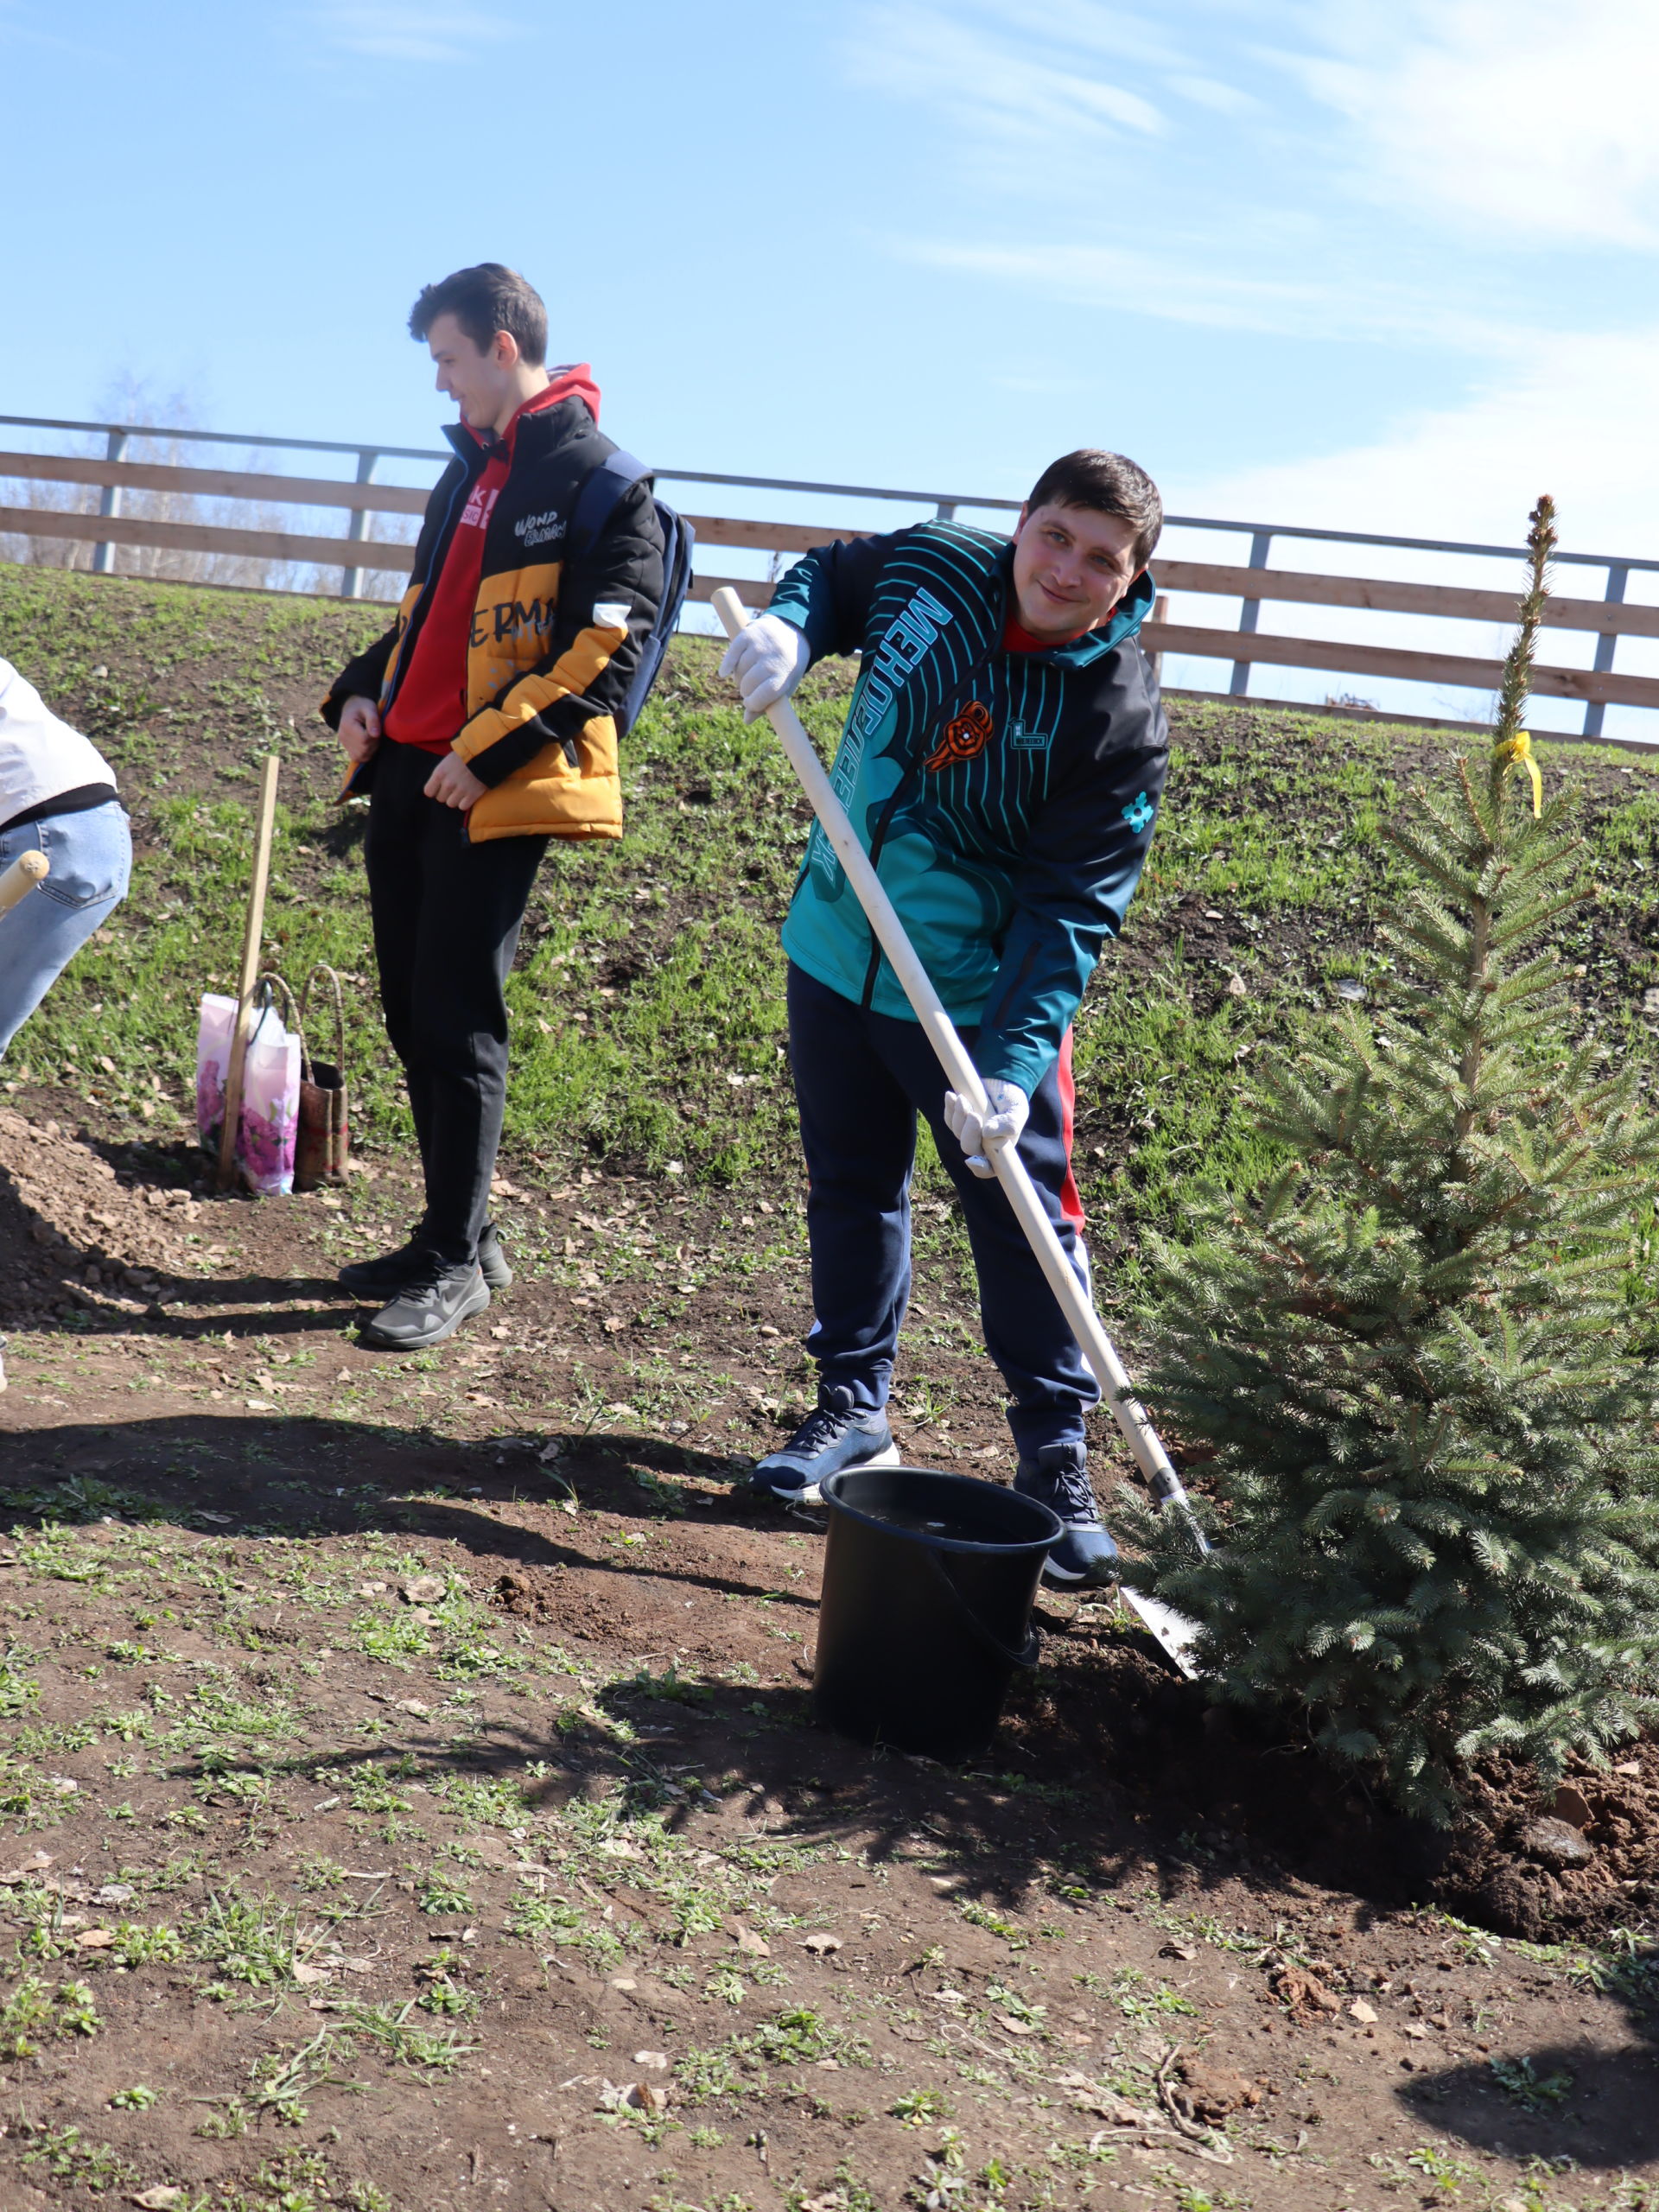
pixel 430 1308
pixel 491 1260
pixel 1084 1557
pixel 835 1435
pixel 376 1280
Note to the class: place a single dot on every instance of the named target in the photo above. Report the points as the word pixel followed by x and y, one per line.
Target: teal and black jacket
pixel 1006 798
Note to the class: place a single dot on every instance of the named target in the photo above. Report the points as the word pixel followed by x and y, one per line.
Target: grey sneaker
pixel 430 1308
pixel 376 1280
pixel 833 1435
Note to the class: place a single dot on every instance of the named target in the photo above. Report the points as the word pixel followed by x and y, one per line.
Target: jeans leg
pixel 90 857
pixel 858 1132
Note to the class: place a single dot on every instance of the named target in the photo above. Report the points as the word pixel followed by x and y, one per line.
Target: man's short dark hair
pixel 484 299
pixel 1111 485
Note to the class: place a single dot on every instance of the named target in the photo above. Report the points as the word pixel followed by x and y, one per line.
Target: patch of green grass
pixel 31 2014
pixel 495 1802
pixel 255 1940
pixel 979 1916
pixel 540 1918
pixel 136 1946
pixel 1137 2000
pixel 1523 2085
pixel 408 2044
pixel 66 2154
pixel 920 2107
pixel 438 1891
pixel 368 1791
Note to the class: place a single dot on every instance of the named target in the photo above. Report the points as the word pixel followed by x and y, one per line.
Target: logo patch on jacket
pixel 1029 741
pixel 1139 813
pixel 538 530
pixel 966 736
pixel 479 507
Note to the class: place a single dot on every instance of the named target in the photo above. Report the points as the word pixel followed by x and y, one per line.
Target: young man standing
pixel 482 724
pixel 1002 761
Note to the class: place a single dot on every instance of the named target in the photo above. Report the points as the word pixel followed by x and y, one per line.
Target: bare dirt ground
pixel 409 1797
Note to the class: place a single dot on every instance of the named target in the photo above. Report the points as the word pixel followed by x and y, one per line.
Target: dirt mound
pixel 72 1225
pixel 1235 1795
pixel 1583 1863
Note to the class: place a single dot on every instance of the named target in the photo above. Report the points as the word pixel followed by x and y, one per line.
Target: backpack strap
pixel 600 497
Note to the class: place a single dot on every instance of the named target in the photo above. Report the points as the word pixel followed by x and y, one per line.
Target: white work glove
pixel 1002 1125
pixel 766 662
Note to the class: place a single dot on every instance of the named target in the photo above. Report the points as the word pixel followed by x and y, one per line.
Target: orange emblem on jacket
pixel 966 736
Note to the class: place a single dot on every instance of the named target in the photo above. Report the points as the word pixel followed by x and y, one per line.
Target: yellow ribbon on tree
pixel 1518 749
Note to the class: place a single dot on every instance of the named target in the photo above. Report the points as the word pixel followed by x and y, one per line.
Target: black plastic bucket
pixel 926 1615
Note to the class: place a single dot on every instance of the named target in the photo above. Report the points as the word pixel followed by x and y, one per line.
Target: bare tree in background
pixel 128 398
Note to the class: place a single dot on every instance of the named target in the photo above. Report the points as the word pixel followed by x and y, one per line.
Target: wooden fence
pixel 1245 647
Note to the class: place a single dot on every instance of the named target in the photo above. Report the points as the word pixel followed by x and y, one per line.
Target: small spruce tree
pixel 1436 1528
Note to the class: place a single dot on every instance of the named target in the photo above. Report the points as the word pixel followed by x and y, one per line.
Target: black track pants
pixel 447 915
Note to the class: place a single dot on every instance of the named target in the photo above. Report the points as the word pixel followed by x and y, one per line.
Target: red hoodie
pixel 431 702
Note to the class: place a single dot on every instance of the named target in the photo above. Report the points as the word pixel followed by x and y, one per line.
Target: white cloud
pixel 1210 92
pixel 410 31
pixel 1531 119
pixel 1034 88
pixel 1566 421
pixel 1184 281
pixel 1467 474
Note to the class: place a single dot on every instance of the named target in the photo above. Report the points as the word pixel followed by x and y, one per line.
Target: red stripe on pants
pixel 1071 1204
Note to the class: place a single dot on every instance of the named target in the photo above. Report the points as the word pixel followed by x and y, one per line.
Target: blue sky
pixel 1372 263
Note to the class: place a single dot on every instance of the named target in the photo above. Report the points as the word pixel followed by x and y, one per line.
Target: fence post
pixel 1606 645
pixel 1160 613
pixel 350 579
pixel 115 448
pixel 1249 612
pixel 944 511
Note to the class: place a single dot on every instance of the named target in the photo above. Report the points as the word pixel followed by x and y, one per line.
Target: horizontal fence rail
pixel 354 554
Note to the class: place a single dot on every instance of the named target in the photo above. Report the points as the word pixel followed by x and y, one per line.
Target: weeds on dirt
pixel 64 2153
pixel 1523 2085
pixel 32 2014
pixel 255 1941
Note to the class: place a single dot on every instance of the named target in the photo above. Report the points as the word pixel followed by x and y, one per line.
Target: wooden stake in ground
pixel 252 937
pixel 21 877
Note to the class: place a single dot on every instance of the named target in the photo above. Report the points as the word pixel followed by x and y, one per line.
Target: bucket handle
pixel 271 983
pixel 1026 1656
pixel 339 1012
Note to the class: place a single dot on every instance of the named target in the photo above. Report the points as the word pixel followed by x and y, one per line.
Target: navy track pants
pixel 861 1080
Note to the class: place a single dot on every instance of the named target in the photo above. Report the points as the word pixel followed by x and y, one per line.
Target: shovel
pixel 1174 1631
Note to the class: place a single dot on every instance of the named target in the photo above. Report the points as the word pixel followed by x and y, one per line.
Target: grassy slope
pixel 648 991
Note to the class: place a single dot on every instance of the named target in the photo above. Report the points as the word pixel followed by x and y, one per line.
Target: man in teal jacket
pixel 1002 762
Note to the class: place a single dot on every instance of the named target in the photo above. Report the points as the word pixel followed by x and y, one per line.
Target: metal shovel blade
pixel 1174 1633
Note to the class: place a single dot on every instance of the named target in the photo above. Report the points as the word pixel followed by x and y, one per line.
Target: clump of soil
pixel 1513 1867
pixel 1236 1796
pixel 71 1222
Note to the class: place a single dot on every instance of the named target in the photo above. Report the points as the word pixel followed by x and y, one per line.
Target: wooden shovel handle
pixel 21 877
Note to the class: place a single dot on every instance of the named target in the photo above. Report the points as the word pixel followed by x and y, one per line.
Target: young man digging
pixel 482 724
pixel 1002 761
